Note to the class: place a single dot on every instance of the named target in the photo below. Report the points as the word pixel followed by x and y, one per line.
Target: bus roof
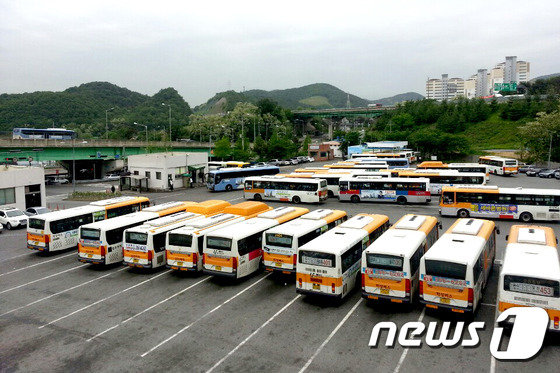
pixel 247 209
pixel 243 169
pixel 310 221
pixel 169 207
pixel 200 225
pixel 462 242
pixel 531 261
pixel 532 235
pixel 368 222
pixel 422 223
pixel 209 207
pixel 118 201
pixel 401 242
pixel 496 158
pixel 336 240
pixel 495 189
pixel 282 178
pixel 166 223
pixel 123 220
pixel 440 173
pixel 385 179
pixel 62 214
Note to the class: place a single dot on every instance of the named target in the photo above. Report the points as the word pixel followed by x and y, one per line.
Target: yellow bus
pixel 58 230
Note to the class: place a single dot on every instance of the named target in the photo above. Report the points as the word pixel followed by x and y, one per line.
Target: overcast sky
pixel 372 49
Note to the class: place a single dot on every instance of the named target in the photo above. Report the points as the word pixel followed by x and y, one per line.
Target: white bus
pixel 390 264
pixel 455 271
pixel 500 165
pixel 390 189
pixel 530 275
pixel 101 242
pixel 184 245
pixel 235 251
pixel 355 165
pixel 58 230
pixel 281 242
pixel 443 178
pixel 460 167
pixel 281 188
pixel 501 203
pixel 330 264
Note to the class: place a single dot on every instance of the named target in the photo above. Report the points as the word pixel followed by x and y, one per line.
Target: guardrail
pixel 47 143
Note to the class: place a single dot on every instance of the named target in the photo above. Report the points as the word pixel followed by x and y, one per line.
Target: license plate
pixel 218 268
pixel 278 264
pixel 385 291
pixel 445 300
pixel 179 263
pixel 316 287
pixel 90 255
pixel 134 260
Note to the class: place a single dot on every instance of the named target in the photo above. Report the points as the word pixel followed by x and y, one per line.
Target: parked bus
pixel 43 133
pixel 330 264
pixel 235 251
pixel 499 165
pixel 459 167
pixel 441 178
pixel 530 275
pixel 184 245
pixel 455 271
pixel 390 264
pixel 392 162
pixel 58 230
pixel 144 245
pixel 294 189
pixel 370 166
pixel 390 189
pixel 282 242
pixel 233 178
pixel 501 203
pixel 101 242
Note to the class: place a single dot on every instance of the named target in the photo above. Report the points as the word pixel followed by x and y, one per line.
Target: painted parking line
pixel 103 300
pixel 330 336
pixel 149 308
pixel 43 278
pixel 254 333
pixel 14 257
pixel 405 352
pixel 204 316
pixel 37 264
pixel 235 199
pixel 61 292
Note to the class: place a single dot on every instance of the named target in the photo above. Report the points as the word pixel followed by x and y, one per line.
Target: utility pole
pixel 243 133
pixel 254 130
pixel 549 150
pixel 107 123
pixel 73 168
pixel 169 106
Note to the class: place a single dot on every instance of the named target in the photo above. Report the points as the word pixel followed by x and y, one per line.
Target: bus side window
pixel 477 268
pixel 200 244
pixel 415 259
pixel 159 242
pixel 248 185
pixel 248 244
pixel 351 256
pixel 145 204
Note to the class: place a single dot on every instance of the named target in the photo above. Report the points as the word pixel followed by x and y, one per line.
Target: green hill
pixel 393 100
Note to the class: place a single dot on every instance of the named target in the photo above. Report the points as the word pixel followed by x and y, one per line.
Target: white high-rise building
pixel 510 69
pixel 481 88
pixel 445 88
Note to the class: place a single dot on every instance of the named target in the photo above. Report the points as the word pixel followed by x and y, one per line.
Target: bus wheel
pixel 330 194
pixel 526 217
pixel 355 199
pixel 463 213
pixel 229 188
pixel 401 200
pixel 296 200
pixel 257 197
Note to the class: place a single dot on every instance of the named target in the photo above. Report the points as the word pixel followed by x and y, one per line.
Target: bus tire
pixel 296 200
pixel 462 213
pixel 257 197
pixel 229 188
pixel 401 200
pixel 355 199
pixel 330 194
pixel 526 217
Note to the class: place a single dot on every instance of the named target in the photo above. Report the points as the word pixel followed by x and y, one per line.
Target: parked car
pixel 294 161
pixel 533 171
pixel 286 163
pixel 549 174
pixel 112 177
pixel 260 164
pixel 275 162
pixel 13 218
pixel 524 168
pixel 311 159
pixel 303 159
pixel 36 211
pixel 1 228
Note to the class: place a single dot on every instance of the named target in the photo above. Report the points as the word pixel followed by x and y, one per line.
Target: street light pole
pixel 107 123
pixel 549 150
pixel 243 133
pixel 146 127
pixel 73 167
pixel 169 106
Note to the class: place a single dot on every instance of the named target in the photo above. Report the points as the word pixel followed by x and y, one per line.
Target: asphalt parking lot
pixel 57 314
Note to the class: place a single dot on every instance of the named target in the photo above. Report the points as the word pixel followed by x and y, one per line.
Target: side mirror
pixel 507 237
pixel 440 225
pixel 497 230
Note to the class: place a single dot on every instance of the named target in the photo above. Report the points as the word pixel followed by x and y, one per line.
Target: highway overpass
pixel 364 112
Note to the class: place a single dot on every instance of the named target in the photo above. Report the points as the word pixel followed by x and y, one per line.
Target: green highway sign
pixel 507 87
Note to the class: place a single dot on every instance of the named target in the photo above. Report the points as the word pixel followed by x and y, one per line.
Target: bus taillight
pixel 234 263
pixel 102 250
pixel 150 255
pixel 300 282
pixel 407 287
pixel 556 322
pixel 333 288
pixel 471 296
pixel 421 289
pixel 363 280
pixel 294 257
pixel 195 258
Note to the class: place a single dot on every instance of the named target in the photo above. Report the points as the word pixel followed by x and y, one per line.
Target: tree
pixel 540 134
pixel 222 148
pixel 305 145
pixel 403 121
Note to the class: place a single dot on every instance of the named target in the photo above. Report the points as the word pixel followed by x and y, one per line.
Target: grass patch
pixel 316 101
pixel 494 133
pixel 92 196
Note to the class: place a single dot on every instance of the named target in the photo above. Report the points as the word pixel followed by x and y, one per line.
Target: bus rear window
pixel 35 223
pixel 439 268
pixel 317 259
pixel 177 239
pixel 275 239
pixel 382 261
pixel 511 163
pixel 218 243
pixel 90 234
pixel 136 238
pixel 531 285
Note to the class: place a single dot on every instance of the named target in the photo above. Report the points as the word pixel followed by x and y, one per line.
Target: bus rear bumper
pixel 318 294
pixel 446 307
pixel 219 273
pixel 286 271
pixel 39 248
pixel 137 265
pixel 180 268
pixel 387 298
pixel 91 260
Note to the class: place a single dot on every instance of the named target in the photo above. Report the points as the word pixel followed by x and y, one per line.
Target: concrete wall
pixel 19 177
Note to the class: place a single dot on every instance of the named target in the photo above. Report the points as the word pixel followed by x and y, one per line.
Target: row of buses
pixel 329 253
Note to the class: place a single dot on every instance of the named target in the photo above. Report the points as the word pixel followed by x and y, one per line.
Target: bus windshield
pixel 90 234
pixel 136 238
pixel 439 268
pixel 317 259
pixel 218 243
pixel 282 240
pixel 178 239
pixel 35 223
pixel 531 285
pixel 382 261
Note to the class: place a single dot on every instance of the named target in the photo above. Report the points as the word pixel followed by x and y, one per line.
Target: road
pixel 57 314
